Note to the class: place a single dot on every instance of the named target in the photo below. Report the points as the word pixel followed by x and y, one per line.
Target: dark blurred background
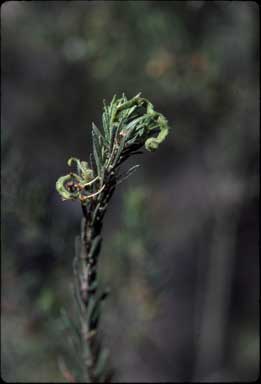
pixel 180 249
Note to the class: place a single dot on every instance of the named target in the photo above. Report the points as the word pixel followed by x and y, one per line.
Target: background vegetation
pixel 181 236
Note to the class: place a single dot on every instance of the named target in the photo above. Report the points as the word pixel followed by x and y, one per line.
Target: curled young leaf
pixel 152 143
pixel 67 186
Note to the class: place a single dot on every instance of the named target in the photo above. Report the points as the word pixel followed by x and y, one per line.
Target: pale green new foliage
pixel 127 125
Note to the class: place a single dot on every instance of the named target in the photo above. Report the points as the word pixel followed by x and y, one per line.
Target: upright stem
pixel 87 281
pixel 128 125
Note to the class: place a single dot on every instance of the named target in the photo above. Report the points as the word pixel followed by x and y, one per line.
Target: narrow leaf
pixel 106 121
pixel 95 248
pixel 127 174
pixel 97 152
pixel 101 362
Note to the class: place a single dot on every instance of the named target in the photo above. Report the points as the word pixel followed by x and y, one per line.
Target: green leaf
pixel 101 362
pixel 97 131
pixel 111 112
pixel 93 312
pixel 97 151
pixel 106 121
pixel 117 127
pixel 94 308
pixel 130 130
pixel 95 248
pixel 127 174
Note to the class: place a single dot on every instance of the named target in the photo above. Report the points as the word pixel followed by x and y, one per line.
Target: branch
pixel 128 125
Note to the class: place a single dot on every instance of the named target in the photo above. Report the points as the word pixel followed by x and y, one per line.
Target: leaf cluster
pixel 127 126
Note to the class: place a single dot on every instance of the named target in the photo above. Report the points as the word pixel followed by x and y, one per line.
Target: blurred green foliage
pixel 199 63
